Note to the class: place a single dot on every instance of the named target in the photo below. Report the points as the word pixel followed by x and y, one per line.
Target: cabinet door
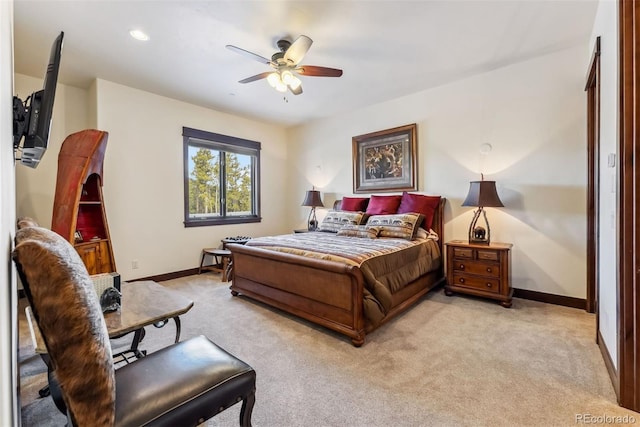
pixel 90 255
pixel 104 258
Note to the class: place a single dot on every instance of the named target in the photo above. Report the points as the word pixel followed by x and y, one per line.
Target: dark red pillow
pixel 354 204
pixel 418 203
pixel 383 205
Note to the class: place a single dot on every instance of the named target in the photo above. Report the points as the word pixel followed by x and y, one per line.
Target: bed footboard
pixel 324 292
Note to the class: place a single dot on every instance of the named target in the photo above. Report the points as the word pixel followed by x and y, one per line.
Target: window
pixel 221 179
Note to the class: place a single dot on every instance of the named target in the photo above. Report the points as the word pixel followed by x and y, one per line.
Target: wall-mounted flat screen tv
pixel 32 117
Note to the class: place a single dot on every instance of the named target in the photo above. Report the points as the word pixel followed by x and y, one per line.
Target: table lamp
pixel 312 199
pixel 481 194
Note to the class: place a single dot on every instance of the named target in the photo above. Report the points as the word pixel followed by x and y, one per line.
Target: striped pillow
pixel 401 226
pixel 335 220
pixel 363 231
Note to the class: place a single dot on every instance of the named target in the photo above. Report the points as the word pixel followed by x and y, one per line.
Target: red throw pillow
pixel 425 205
pixel 354 204
pixel 383 205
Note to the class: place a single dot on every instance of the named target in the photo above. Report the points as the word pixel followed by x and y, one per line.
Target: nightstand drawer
pixel 488 255
pixel 480 283
pixel 476 267
pixel 463 253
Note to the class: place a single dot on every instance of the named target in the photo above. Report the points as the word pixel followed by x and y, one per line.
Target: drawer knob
pixel 488 285
pixel 488 269
pixel 461 266
pixel 461 280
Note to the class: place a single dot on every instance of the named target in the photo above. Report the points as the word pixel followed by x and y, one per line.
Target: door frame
pixel 593 182
pixel 628 268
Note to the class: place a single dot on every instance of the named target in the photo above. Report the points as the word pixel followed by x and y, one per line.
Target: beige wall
pixel 143 172
pixel 533 115
pixel 143 178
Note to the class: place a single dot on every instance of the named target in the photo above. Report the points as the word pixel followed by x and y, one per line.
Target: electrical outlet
pixel 134 264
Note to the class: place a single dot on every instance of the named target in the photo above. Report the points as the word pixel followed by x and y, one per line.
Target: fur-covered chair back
pixel 68 313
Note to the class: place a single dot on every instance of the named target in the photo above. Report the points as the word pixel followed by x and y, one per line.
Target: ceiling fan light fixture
pixel 295 83
pixel 281 87
pixel 287 77
pixel 273 79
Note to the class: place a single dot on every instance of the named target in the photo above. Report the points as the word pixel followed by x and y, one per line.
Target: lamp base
pixel 478 235
pixel 312 222
pixel 478 242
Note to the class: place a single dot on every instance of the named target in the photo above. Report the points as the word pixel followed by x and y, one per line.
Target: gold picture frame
pixel 385 160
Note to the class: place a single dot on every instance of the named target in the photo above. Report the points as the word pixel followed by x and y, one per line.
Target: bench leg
pixel 204 254
pixel 247 408
pixel 225 262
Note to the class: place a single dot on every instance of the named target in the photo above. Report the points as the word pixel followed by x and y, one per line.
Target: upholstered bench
pixel 183 385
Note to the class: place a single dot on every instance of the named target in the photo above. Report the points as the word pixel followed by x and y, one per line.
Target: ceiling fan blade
pixel 313 70
pixel 256 77
pixel 248 54
pixel 297 50
pixel 296 91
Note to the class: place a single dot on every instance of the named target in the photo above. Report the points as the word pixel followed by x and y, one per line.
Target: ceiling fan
pixel 286 64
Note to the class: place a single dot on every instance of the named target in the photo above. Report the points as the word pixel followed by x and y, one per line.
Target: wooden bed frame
pixel 327 293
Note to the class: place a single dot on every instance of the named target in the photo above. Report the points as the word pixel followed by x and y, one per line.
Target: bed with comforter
pixel 352 280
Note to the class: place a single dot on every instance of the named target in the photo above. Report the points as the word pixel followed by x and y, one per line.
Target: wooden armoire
pixel 78 208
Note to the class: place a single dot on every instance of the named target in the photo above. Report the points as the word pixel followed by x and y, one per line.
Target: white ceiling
pixel 387 49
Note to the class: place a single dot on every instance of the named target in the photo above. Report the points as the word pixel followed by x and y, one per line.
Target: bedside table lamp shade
pixel 481 194
pixel 312 199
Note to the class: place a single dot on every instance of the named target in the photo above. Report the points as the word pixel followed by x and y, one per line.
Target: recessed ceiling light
pixel 139 35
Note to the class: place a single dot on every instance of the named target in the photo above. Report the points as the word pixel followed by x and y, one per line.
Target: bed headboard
pixel 438 223
pixel 438 220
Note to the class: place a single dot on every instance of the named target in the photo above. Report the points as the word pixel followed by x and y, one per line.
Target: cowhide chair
pixel 181 385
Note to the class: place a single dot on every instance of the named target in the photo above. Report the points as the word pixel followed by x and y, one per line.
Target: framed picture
pixel 77 236
pixel 385 160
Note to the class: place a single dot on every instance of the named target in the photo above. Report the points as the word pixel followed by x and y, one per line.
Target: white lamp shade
pixel 273 79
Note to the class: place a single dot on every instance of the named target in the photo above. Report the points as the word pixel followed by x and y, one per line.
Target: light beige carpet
pixel 449 361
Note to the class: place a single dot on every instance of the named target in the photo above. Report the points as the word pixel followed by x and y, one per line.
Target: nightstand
pixel 481 270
